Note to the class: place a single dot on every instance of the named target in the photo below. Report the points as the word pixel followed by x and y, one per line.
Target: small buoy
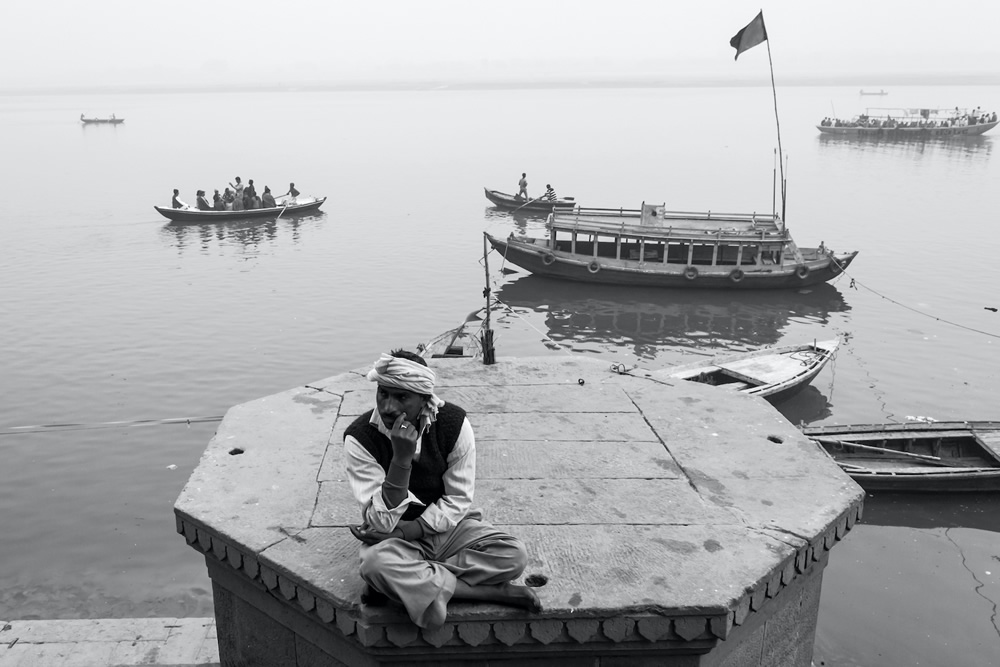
pixel 580 382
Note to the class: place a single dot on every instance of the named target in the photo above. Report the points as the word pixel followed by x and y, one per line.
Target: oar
pixel 525 204
pixel 282 210
pixel 932 460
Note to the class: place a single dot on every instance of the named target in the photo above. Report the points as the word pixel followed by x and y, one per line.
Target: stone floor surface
pixel 109 642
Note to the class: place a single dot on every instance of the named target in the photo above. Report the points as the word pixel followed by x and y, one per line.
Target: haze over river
pixel 109 313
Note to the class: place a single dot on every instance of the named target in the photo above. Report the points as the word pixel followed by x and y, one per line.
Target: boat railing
pixel 669 233
pixel 581 212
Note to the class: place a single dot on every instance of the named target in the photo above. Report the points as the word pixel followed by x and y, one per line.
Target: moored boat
pixel 772 373
pixel 659 248
pixel 92 121
pixel 189 214
pixel 920 123
pixel 916 456
pixel 506 201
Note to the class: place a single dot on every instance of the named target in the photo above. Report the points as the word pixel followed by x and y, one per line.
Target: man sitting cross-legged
pixel 411 463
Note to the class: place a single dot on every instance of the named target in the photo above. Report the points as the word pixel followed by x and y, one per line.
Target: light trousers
pixel 422 574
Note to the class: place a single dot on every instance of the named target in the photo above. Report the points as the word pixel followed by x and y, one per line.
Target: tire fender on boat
pixel 548 258
pixel 802 271
pixel 690 273
pixel 736 275
pixel 594 267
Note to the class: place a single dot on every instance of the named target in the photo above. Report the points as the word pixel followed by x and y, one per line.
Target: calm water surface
pixel 109 313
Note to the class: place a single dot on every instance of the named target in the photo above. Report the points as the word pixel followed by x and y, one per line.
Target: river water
pixel 108 313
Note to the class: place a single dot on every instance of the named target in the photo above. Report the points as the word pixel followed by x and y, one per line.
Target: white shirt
pixel 365 476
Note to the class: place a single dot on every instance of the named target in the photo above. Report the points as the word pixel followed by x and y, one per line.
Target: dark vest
pixel 426 475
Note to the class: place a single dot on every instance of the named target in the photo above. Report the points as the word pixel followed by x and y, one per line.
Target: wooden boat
pixel 773 373
pixel 658 248
pixel 506 201
pixel 189 214
pixel 916 456
pixel 899 123
pixel 112 120
pixel 872 92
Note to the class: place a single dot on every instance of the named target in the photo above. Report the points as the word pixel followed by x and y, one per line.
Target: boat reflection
pixel 237 233
pixel 523 220
pixel 807 406
pixel 933 510
pixel 663 324
pixel 979 146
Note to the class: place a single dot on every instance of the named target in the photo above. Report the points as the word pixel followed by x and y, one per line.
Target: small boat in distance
pixel 653 247
pixel 916 456
pixel 190 214
pixel 512 202
pixel 898 123
pixel 111 121
pixel 774 373
pixel 873 92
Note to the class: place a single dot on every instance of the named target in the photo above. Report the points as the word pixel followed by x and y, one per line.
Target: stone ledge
pixel 381 627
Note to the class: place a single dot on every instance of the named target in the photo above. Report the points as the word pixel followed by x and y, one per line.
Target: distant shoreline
pixel 859 81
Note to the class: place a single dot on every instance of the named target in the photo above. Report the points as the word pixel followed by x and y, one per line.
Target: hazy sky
pixel 58 43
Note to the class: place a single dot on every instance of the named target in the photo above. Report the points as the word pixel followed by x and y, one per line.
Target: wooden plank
pixel 768 370
pixel 990 442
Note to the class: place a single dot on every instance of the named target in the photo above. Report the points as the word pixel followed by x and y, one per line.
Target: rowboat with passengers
pixel 191 214
pixel 654 247
pixel 539 205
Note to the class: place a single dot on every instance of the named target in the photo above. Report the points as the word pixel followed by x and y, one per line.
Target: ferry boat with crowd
pixel 912 123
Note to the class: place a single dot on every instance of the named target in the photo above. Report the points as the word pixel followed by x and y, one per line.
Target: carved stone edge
pixel 613 631
pixel 624 629
pixel 800 563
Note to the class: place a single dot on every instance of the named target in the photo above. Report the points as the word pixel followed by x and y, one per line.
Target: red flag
pixel 753 34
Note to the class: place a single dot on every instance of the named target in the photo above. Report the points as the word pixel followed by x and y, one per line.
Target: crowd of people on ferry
pixel 238 196
pixel 956 119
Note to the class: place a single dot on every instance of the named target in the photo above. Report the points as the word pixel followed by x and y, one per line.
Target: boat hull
pixel 909 132
pixel 973 445
pixel 772 373
pixel 196 216
pixel 104 121
pixel 537 259
pixel 509 202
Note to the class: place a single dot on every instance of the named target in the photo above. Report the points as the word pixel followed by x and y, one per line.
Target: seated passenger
pixel 550 194
pixel 203 204
pixel 217 202
pixel 175 202
pixel 267 201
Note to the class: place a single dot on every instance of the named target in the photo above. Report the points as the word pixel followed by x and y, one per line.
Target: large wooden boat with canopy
pixel 655 247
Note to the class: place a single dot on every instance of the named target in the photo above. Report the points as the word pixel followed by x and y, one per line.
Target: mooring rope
pixel 49 428
pixel 855 283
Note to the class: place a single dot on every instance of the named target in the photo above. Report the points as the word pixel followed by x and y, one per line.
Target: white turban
pixel 409 375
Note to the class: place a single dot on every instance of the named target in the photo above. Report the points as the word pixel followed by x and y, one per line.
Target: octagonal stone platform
pixel 672 523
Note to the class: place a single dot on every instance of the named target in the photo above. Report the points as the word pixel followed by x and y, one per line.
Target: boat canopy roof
pixel 654 221
pixel 916 112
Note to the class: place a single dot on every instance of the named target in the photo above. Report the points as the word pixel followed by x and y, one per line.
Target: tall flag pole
pixel 750 36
